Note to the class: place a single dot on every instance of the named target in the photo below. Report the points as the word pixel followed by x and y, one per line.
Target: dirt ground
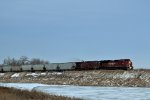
pixel 132 78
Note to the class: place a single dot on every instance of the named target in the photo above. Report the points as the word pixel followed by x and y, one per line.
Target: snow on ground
pixel 55 73
pixel 124 75
pixel 87 92
pixel 15 75
pixel 32 74
pixel 42 74
pixel 2 74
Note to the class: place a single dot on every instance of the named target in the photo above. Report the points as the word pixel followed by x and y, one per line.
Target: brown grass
pixel 16 94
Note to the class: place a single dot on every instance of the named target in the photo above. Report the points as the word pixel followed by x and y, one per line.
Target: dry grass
pixel 15 94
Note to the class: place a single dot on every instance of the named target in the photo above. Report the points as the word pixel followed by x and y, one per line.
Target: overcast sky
pixel 73 30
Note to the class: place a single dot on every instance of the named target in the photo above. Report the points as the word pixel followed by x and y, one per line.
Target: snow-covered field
pixel 87 92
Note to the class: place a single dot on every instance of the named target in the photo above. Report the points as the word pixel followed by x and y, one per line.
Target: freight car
pixel 121 64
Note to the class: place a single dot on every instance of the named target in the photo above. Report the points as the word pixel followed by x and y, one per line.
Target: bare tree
pixel 11 62
pixel 35 61
pixel 7 61
pixel 24 60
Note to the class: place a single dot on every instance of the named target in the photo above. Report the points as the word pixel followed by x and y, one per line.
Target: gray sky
pixel 72 30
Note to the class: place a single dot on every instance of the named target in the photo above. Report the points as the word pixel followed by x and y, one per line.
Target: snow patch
pixel 144 76
pixel 55 73
pixel 32 74
pixel 2 74
pixel 15 75
pixel 43 74
pixel 126 75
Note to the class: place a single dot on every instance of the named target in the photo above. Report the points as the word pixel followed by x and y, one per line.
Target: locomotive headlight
pixel 129 63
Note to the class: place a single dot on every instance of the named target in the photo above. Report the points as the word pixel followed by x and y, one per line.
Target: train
pixel 120 64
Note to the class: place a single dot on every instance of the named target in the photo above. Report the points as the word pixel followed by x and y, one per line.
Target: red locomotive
pixel 116 64
pixel 87 65
pixel 124 64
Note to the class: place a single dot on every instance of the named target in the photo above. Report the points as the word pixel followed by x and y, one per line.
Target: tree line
pixel 23 60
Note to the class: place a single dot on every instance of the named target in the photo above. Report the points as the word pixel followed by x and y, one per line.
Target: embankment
pixel 133 78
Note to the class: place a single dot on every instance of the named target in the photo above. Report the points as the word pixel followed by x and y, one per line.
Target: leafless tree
pixel 11 62
pixel 35 61
pixel 23 61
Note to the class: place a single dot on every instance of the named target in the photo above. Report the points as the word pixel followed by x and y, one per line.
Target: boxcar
pixel 67 66
pixel 40 67
pixel 16 68
pixel 7 68
pixel 52 67
pixel 26 67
